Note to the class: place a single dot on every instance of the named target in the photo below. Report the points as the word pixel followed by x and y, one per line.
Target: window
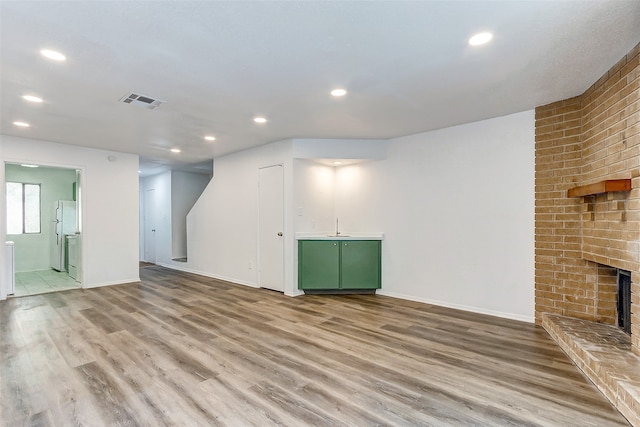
pixel 23 208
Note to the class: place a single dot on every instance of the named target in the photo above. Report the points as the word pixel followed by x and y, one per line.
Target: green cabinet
pixel 360 264
pixel 318 264
pixel 339 264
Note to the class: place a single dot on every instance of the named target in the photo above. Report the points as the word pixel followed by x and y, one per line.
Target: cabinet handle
pixel 346 244
pixel 335 244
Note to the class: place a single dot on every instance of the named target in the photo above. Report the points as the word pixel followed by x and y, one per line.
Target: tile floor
pixel 43 281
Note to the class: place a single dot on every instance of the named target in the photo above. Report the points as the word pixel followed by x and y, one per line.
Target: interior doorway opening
pixel 44 222
pixel 149 226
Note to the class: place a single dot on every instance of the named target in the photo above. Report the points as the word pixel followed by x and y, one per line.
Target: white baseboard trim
pixel 512 316
pixel 295 293
pixel 115 282
pixel 213 276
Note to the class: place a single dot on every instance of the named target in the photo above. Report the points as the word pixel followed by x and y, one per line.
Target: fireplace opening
pixel 624 300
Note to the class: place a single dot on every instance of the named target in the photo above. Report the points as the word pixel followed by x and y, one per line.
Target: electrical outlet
pixel 250 265
pixel 300 210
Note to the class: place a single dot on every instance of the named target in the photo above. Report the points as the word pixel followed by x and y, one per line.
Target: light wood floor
pixel 180 349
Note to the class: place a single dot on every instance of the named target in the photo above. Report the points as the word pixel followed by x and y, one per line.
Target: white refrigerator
pixel 64 223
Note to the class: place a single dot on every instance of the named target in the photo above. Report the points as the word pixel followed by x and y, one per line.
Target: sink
pixel 338 235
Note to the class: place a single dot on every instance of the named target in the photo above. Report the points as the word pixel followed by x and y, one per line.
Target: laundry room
pixel 43 224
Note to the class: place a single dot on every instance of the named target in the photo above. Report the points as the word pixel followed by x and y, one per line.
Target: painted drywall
pixel 33 251
pixel 314 196
pixel 359 197
pixel 109 194
pixel 222 225
pixel 186 187
pixel 5 275
pixel 343 149
pixel 456 206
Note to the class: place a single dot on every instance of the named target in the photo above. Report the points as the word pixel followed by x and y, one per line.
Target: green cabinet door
pixel 360 264
pixel 318 264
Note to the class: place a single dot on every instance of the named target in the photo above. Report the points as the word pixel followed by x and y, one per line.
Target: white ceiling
pixel 217 64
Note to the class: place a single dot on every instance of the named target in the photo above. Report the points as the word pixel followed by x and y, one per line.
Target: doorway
pixel 149 225
pixel 271 228
pixel 43 206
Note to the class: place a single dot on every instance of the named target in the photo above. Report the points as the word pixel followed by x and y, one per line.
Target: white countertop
pixel 305 235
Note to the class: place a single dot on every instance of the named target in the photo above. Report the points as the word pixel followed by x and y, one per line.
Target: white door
pixel 271 228
pixel 150 226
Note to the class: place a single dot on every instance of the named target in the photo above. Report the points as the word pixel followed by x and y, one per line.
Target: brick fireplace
pixel 586 231
pixel 582 241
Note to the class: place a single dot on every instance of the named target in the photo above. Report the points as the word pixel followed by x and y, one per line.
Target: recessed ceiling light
pixel 22 124
pixel 28 166
pixel 338 92
pixel 175 150
pixel 480 39
pixel 52 54
pixel 337 163
pixel 210 138
pixel 32 98
pixel 260 120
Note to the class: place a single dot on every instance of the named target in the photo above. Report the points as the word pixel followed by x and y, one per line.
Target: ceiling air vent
pixel 142 101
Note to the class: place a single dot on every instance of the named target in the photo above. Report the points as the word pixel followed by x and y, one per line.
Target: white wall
pixel 314 196
pixel 457 209
pixel 33 251
pixel 186 187
pixel 222 225
pixel 109 190
pixel 310 148
pixel 4 285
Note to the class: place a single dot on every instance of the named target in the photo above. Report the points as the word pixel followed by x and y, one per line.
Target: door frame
pixel 81 211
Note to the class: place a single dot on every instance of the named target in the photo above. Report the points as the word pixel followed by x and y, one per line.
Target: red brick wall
pixel 579 141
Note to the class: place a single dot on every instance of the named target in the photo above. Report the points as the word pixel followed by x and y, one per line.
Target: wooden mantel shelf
pixel 600 187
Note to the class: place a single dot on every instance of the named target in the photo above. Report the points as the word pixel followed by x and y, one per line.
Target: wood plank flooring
pixel 179 349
